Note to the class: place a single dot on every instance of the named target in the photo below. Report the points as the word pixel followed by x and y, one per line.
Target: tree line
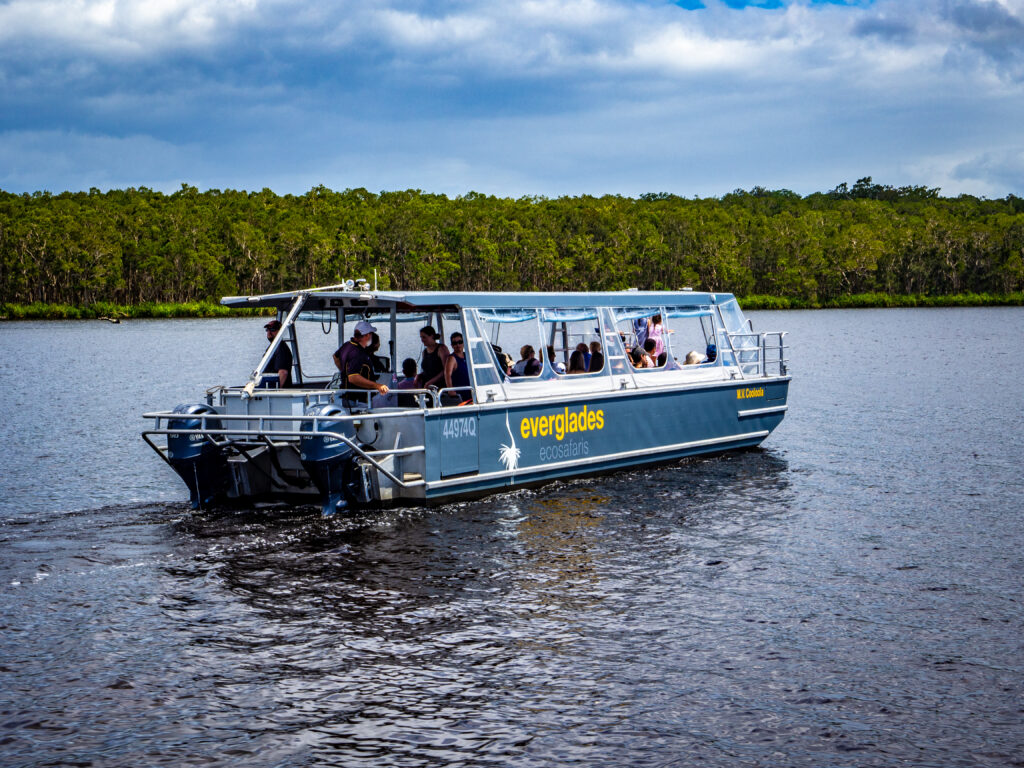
pixel 137 246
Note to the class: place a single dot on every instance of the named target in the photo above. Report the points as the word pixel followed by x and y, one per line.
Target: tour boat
pixel 346 449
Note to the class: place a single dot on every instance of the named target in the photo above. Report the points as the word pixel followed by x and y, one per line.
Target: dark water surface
pixel 847 595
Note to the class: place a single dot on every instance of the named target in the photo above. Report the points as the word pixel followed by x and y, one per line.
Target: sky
pixel 512 97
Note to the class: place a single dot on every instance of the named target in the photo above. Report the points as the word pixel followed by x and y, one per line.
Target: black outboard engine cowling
pixel 331 462
pixel 199 461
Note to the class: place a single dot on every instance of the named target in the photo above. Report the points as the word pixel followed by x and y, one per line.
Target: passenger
pixel 409 374
pixel 409 382
pixel 649 346
pixel 434 357
pixel 281 361
pixel 557 365
pixel 456 369
pixel 355 363
pixel 528 364
pixel 655 329
pixel 693 357
pixel 636 357
pixel 577 363
pixel 711 353
pixel 662 359
pixel 585 351
pixel 380 364
pixel 596 357
pixel 640 330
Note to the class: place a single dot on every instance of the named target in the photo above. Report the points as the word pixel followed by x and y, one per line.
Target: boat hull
pixel 528 443
pixel 472 451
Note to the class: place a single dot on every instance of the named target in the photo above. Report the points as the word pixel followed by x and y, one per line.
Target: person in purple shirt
pixel 355 362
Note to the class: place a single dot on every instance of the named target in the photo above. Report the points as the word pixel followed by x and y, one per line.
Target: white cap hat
pixel 363 328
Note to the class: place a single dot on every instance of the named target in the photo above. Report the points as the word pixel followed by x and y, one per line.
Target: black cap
pixel 273 325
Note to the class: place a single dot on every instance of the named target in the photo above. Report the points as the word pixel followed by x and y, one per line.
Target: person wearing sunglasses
pixel 456 369
pixel 280 363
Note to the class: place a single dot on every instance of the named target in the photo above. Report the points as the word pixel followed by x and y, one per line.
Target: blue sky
pixel 521 97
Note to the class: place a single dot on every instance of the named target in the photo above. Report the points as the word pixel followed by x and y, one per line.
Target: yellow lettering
pixel 561 424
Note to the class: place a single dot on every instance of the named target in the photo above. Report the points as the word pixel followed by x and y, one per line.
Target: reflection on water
pixel 559 540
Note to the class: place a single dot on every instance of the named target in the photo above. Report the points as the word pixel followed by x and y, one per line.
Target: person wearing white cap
pixel 355 362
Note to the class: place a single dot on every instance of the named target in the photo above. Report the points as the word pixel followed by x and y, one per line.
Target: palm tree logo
pixel 509 454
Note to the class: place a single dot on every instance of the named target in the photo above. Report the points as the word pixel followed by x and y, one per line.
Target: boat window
pixel 572 342
pixel 690 331
pixel 733 317
pixel 513 334
pixel 481 354
pixel 644 332
pixel 740 338
pixel 316 334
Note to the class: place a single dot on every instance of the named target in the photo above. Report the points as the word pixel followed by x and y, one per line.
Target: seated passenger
pixel 711 353
pixel 409 375
pixel 585 351
pixel 456 370
pixel 693 357
pixel 577 363
pixel 409 382
pixel 596 357
pixel 649 346
pixel 528 365
pixel 640 359
pixel 556 365
pixel 355 363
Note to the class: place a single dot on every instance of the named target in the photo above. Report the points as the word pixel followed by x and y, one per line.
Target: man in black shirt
pixel 281 361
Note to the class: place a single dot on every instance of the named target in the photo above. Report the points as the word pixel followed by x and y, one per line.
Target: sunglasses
pixel 456 341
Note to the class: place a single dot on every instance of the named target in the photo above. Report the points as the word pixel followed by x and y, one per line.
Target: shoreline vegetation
pixel 143 253
pixel 201 309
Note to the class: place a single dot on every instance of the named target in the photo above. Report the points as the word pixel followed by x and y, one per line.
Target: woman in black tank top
pixel 433 360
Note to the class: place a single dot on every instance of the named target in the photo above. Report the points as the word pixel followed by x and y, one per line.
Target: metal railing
pixel 759 354
pixel 363 398
pixel 265 434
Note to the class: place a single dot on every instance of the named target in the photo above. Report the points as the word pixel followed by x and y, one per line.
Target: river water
pixel 850 594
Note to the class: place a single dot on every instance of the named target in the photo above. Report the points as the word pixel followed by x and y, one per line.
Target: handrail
pixel 316 418
pixel 369 456
pixel 762 349
pixel 353 394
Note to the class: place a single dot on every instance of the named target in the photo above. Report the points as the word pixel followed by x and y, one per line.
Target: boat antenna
pixel 374 279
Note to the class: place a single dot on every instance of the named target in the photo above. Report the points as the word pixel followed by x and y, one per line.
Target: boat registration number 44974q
pixel 461 427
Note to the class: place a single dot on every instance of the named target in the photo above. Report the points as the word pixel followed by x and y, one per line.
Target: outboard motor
pixel 330 462
pixel 200 462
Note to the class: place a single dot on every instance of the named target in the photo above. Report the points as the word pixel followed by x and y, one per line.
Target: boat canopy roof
pixel 321 298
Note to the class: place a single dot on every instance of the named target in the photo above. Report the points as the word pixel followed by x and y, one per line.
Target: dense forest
pixel 136 245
